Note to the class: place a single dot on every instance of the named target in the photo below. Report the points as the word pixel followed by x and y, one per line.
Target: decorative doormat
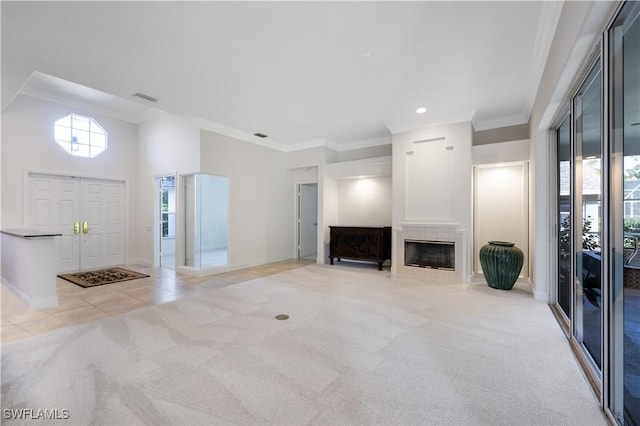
pixel 102 276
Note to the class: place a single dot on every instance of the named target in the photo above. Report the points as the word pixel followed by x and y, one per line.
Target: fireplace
pixel 430 254
pixel 442 236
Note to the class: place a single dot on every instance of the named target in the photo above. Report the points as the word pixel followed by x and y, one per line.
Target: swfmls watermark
pixel 35 414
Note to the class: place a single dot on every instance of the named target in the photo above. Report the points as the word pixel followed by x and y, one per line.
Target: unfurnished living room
pixel 283 213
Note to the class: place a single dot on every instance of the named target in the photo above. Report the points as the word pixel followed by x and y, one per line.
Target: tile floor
pixel 360 347
pixel 80 305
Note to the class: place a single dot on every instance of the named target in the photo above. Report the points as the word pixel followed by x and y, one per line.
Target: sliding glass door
pixel 579 190
pixel 565 236
pixel 587 216
pixel 598 219
pixel 624 301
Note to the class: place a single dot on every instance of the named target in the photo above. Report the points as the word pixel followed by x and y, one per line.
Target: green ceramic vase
pixel 501 264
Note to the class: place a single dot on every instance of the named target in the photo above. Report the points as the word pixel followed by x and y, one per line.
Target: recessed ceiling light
pixel 421 110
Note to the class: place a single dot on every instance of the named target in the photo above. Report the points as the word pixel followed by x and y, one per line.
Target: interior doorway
pixel 167 221
pixel 307 220
pixel 89 213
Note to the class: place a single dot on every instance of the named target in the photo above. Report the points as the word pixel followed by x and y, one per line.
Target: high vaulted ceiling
pixel 343 74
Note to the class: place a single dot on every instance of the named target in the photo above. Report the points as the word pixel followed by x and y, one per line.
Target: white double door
pixel 89 213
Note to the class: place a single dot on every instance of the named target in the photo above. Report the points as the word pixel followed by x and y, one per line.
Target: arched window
pixel 80 136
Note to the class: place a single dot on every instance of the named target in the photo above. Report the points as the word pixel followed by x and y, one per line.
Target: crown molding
pixel 365 143
pixel 547 25
pixel 300 146
pixel 313 143
pixel 134 118
pixel 237 134
pixel 437 120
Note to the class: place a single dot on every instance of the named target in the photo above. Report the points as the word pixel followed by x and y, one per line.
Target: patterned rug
pixel 102 276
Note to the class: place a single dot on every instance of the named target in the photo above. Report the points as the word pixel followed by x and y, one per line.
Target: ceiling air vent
pixel 430 140
pixel 260 135
pixel 145 97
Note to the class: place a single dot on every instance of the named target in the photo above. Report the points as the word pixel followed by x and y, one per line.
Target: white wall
pixel 28 145
pixel 167 144
pixel 305 158
pixel 328 212
pixel 260 196
pixel 502 152
pixel 432 180
pixel 368 152
pixel 364 202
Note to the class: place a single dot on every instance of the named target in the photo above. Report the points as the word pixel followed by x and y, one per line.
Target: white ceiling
pixel 343 74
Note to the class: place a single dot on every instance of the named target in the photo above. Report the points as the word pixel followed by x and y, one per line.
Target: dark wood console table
pixel 360 243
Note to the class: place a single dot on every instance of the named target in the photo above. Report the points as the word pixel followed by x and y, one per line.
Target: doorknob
pixel 76 228
pixel 85 227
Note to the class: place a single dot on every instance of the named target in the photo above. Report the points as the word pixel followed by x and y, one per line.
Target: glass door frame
pixel 568 323
pixel 614 92
pixel 579 291
pixel 563 318
pixel 608 382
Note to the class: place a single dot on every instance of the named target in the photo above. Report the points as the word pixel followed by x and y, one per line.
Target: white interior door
pixel 102 237
pixel 308 220
pixel 54 206
pixel 89 213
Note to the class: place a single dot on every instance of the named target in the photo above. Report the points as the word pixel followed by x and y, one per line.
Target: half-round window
pixel 81 136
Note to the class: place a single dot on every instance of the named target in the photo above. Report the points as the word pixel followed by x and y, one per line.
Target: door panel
pixel 103 210
pixel 54 206
pixel 57 203
pixel 308 230
pixel 588 217
pixel 564 200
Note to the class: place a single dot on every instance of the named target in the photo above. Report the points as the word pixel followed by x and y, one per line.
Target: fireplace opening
pixel 430 254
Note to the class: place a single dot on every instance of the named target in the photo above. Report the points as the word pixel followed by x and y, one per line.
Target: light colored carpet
pixel 360 347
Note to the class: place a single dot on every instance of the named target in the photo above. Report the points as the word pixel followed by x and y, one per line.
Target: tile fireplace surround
pixel 432 231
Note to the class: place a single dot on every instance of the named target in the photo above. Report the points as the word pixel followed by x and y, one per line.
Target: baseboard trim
pixel 39 303
pixel 140 261
pixel 196 272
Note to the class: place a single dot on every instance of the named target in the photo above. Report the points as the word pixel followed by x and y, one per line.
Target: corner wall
pixel 167 145
pixel 260 196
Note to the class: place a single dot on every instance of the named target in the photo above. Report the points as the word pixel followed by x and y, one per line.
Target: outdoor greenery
pixel 589 239
pixel 632 225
